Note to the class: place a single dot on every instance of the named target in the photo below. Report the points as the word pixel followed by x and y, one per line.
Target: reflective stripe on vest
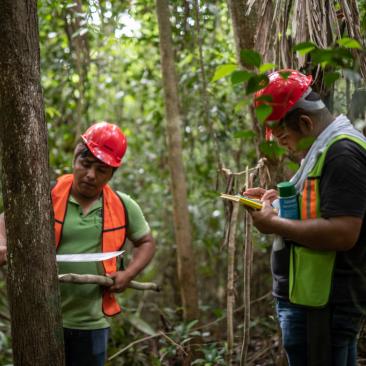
pixel 310 197
pixel 309 200
pixel 113 232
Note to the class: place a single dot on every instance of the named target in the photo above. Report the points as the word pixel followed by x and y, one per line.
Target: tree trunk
pixel 244 26
pixel 79 47
pixel 247 32
pixel 183 235
pixel 32 277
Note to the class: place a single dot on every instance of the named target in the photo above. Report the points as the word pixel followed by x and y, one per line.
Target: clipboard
pixel 243 200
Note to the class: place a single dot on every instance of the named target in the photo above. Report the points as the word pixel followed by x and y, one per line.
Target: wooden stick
pixel 230 282
pixel 247 274
pixel 132 344
pixel 158 334
pixel 104 281
pixel 173 342
pixel 231 223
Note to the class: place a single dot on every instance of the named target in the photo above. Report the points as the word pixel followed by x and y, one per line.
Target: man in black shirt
pixel 331 184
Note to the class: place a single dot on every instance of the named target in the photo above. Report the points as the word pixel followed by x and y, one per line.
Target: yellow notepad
pixel 243 200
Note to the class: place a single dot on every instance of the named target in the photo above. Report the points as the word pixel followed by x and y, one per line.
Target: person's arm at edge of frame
pixel 143 251
pixel 3 249
pixel 335 233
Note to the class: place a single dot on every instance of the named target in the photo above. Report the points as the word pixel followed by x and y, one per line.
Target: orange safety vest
pixel 113 231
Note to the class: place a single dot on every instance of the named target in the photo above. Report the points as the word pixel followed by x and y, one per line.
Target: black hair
pixel 83 151
pixel 291 119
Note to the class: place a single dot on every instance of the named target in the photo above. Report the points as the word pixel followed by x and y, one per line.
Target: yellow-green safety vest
pixel 311 271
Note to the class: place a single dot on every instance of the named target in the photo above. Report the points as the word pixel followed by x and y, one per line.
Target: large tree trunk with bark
pixel 249 35
pixel 183 235
pixel 32 277
pixel 79 47
pixel 244 25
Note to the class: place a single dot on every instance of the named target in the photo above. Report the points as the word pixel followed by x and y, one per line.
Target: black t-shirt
pixel 342 193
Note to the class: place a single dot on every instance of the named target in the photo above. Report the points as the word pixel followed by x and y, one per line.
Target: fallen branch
pixel 158 334
pixel 132 344
pixel 104 281
pixel 173 342
pixel 161 334
pixel 259 354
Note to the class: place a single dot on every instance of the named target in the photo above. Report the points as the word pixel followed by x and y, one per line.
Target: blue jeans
pixel 344 323
pixel 85 347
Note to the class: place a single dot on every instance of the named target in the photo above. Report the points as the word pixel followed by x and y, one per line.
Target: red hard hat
pixel 285 88
pixel 106 142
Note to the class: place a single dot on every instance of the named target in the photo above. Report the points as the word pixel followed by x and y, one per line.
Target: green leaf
pixel 186 60
pixel 271 149
pixel 305 143
pixel 251 58
pixel 141 325
pixel 242 104
pixel 218 312
pixel 210 194
pixel 304 48
pixel 331 77
pixel 256 83
pixel 244 134
pixel 264 98
pixel 191 324
pixel 339 57
pixel 291 165
pixel 198 361
pixel 322 55
pixel 263 111
pixel 240 76
pixel 349 43
pixel 266 67
pixel 285 74
pixel 223 71
pixel 52 112
pixel 75 78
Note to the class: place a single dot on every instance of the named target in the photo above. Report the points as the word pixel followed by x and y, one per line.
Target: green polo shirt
pixel 82 304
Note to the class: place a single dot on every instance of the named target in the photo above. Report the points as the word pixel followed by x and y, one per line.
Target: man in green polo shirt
pixel 77 308
pixel 91 218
